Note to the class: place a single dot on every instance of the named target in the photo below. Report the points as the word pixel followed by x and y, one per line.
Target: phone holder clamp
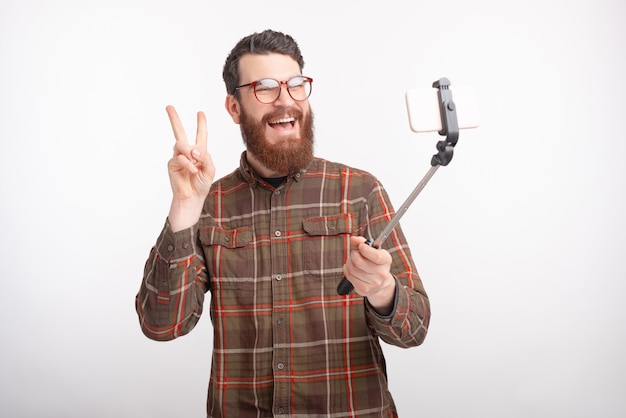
pixel 449 123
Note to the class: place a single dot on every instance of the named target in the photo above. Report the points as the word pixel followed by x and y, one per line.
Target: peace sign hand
pixel 191 172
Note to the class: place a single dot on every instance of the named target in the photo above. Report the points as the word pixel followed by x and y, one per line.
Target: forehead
pixel 254 67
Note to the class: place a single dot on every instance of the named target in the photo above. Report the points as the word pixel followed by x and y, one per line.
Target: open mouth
pixel 283 123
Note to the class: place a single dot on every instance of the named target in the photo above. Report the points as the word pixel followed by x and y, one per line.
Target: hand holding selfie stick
pixel 450 129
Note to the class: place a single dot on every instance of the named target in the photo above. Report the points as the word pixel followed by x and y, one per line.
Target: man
pixel 271 241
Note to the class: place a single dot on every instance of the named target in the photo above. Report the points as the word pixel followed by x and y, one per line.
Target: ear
pixel 233 108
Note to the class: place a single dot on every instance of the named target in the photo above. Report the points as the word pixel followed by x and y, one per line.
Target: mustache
pixel 281 112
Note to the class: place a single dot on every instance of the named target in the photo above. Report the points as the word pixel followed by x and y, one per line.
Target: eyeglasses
pixel 268 90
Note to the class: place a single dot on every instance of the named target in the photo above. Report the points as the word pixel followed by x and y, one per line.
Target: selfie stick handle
pixel 450 128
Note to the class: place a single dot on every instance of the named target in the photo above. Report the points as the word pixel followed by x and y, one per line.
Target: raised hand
pixel 191 172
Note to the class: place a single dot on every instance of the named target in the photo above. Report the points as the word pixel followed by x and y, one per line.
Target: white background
pixel 520 241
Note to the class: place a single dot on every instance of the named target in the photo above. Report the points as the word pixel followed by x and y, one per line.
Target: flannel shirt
pixel 285 343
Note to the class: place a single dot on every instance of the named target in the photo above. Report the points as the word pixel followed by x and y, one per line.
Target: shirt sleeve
pixel 171 296
pixel 407 325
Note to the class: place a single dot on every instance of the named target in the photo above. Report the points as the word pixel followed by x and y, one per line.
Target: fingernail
pixel 195 153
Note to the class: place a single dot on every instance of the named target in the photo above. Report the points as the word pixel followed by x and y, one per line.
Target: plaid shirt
pixel 285 343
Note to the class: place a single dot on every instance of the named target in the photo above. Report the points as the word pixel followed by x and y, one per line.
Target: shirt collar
pixel 251 177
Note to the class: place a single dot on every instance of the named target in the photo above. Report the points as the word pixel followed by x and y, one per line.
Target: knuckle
pixel 359 262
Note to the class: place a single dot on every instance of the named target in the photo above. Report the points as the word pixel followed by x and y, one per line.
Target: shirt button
pixel 170 248
pixel 279 277
pixel 281 411
pixel 277 233
pixel 280 366
pixel 185 245
pixel 279 321
pixel 277 192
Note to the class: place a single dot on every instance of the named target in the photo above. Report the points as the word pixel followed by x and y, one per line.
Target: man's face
pixel 278 135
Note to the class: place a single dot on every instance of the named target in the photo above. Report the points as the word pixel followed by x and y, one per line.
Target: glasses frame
pixel 280 84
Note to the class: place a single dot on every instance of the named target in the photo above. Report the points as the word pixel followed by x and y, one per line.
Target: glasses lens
pixel 267 90
pixel 299 88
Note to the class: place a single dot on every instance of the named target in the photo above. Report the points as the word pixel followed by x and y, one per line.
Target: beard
pixel 289 156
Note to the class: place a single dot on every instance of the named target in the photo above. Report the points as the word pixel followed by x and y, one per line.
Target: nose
pixel 284 98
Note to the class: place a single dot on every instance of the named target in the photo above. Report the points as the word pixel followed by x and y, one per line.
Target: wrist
pixel 184 213
pixel 384 300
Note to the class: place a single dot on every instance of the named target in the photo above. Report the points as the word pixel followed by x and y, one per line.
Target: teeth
pixel 283 120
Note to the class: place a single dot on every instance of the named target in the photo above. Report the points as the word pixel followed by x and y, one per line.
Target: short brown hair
pixel 265 42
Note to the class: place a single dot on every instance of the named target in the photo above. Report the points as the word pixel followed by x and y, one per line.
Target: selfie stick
pixel 450 128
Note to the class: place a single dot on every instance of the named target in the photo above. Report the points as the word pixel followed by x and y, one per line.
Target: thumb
pixel 203 161
pixel 355 241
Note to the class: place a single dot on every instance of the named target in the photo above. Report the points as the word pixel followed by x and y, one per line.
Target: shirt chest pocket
pixel 326 244
pixel 228 253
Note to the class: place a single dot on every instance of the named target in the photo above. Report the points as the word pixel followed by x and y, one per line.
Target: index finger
pixel 177 126
pixel 375 255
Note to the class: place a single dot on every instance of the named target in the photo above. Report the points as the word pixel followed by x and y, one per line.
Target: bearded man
pixel 270 242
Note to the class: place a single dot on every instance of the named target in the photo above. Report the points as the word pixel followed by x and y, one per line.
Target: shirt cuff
pixel 395 304
pixel 175 246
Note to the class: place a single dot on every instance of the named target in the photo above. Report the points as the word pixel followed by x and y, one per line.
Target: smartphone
pixel 423 108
